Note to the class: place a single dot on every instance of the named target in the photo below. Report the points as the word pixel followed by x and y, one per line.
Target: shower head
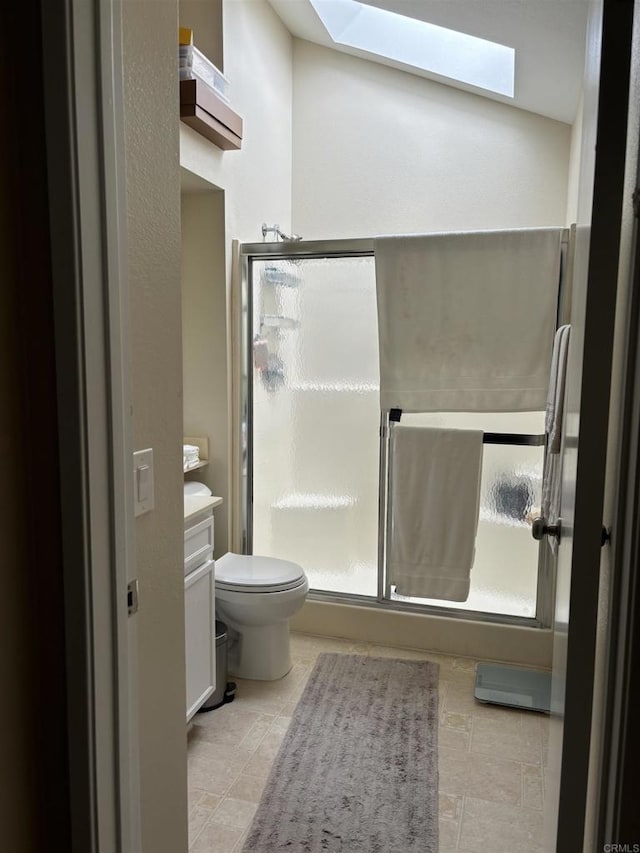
pixel 275 229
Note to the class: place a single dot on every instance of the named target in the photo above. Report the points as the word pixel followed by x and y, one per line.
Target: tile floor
pixel 490 758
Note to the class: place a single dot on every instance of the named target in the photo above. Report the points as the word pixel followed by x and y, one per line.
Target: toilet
pixel 256 597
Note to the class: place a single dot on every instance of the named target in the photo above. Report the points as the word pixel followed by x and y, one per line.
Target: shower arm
pixel 275 229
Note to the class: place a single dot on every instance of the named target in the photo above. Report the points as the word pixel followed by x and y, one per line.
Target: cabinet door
pixel 199 599
pixel 198 544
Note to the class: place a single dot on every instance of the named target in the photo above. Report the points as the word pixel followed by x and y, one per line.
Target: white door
pixel 586 421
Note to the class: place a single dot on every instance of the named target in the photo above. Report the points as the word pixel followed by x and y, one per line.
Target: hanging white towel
pixel 435 493
pixel 552 480
pixel 466 320
pixel 557 384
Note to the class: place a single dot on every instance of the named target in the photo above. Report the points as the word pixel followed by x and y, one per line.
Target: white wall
pixel 204 17
pixel 153 222
pixel 204 318
pixel 377 150
pixel 575 150
pixel 256 181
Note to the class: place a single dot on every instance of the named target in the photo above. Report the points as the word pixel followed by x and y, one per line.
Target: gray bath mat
pixel 357 771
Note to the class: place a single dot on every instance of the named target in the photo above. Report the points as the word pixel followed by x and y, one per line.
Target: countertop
pixel 195 504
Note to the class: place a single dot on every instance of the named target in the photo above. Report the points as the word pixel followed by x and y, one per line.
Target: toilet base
pixel 260 652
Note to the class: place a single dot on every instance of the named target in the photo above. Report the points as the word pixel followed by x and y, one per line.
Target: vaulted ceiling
pixel 548 37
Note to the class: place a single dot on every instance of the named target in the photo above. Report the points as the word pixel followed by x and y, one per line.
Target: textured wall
pixel 153 200
pixel 377 151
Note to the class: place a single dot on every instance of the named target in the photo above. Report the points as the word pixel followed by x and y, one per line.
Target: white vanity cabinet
pixel 199 601
pixel 199 607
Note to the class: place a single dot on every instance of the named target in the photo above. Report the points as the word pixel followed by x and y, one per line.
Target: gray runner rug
pixel 357 771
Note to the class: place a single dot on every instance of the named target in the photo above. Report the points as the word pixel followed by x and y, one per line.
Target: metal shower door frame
pixel 361 247
pixel 248 254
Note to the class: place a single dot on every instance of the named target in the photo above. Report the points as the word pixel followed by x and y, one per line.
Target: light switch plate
pixel 143 481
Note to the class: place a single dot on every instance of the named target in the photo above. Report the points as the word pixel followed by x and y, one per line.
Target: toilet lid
pixel 249 572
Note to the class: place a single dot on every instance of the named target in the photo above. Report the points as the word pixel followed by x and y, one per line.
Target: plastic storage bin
pixel 194 64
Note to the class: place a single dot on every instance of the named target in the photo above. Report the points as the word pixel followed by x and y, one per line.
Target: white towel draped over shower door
pixel 552 479
pixel 466 320
pixel 435 499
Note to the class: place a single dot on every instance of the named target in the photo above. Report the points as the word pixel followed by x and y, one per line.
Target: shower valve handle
pixel 540 529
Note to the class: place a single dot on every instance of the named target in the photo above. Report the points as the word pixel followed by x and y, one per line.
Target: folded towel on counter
pixel 435 504
pixel 466 320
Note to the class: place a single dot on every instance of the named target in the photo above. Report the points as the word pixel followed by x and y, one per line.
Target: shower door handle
pixel 540 529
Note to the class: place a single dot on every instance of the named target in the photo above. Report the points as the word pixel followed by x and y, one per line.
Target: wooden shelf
pixel 203 110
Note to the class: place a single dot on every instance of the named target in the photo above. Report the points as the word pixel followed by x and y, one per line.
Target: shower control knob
pixel 540 529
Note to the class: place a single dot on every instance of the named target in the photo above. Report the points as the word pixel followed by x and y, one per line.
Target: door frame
pixel 618 818
pixel 84 122
pixel 84 117
pixel 602 275
pixel 618 814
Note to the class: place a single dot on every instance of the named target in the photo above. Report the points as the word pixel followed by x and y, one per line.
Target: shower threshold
pixel 513 687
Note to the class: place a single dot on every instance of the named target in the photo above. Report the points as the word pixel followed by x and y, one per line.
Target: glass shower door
pixel 313 481
pixel 314 424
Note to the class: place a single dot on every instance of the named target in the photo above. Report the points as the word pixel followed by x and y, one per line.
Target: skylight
pixel 441 51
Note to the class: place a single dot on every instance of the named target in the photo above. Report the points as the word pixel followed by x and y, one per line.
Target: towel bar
pixel 521 439
pixel 513 438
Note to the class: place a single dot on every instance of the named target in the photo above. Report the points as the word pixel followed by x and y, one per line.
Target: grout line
pixel 210 820
pixel 197 802
pixel 462 810
pixel 542 742
pixel 471 731
pixel 240 842
pixel 198 833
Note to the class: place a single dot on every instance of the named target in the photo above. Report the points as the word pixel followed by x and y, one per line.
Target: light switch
pixel 143 480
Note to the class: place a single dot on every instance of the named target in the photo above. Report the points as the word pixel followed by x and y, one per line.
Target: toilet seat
pixel 249 573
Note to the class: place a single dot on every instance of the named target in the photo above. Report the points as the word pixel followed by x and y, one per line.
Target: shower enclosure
pixel 315 464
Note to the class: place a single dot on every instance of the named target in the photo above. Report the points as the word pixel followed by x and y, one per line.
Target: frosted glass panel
pixel 504 577
pixel 315 424
pixel 315 419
